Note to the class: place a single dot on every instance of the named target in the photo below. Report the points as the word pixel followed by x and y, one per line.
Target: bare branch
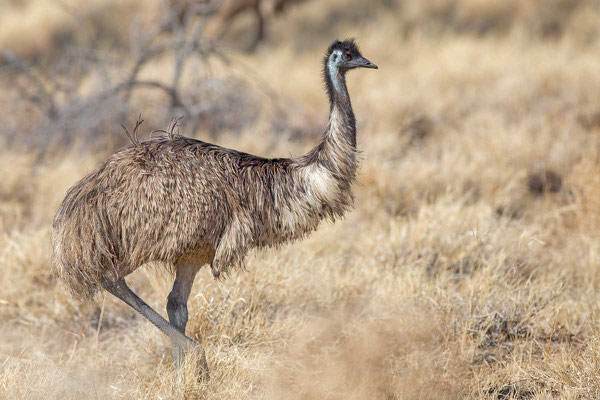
pixel 43 99
pixel 175 99
pixel 57 93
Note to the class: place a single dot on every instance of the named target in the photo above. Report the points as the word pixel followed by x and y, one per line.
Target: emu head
pixel 344 56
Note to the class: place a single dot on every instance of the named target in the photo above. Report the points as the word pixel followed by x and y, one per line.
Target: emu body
pixel 181 200
pixel 187 203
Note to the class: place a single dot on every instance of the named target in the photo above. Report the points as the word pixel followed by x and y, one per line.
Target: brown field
pixel 469 268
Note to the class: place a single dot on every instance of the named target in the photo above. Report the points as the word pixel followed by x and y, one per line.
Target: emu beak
pixel 364 63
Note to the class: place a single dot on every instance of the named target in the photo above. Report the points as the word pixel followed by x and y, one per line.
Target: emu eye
pixel 348 57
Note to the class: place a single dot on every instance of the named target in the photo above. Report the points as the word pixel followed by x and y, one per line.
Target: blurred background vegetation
pixel 74 72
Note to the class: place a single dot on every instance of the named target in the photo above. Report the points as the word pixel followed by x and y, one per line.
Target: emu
pixel 186 203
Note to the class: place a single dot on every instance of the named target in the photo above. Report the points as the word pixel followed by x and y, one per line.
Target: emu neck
pixel 328 171
pixel 342 124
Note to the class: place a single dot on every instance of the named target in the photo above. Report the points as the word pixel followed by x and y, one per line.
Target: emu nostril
pixel 369 64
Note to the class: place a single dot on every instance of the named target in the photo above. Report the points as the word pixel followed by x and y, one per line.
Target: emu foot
pixel 190 361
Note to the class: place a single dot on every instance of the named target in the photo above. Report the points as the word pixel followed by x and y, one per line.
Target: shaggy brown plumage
pixel 187 203
pixel 174 199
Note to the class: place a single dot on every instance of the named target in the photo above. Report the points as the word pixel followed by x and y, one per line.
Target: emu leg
pixel 178 312
pixel 122 291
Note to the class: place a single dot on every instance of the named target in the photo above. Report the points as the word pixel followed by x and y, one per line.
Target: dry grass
pixel 454 277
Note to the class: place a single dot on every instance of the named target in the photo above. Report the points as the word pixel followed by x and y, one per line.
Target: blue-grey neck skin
pixel 339 99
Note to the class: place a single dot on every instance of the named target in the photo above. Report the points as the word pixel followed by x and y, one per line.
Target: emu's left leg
pixel 177 308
